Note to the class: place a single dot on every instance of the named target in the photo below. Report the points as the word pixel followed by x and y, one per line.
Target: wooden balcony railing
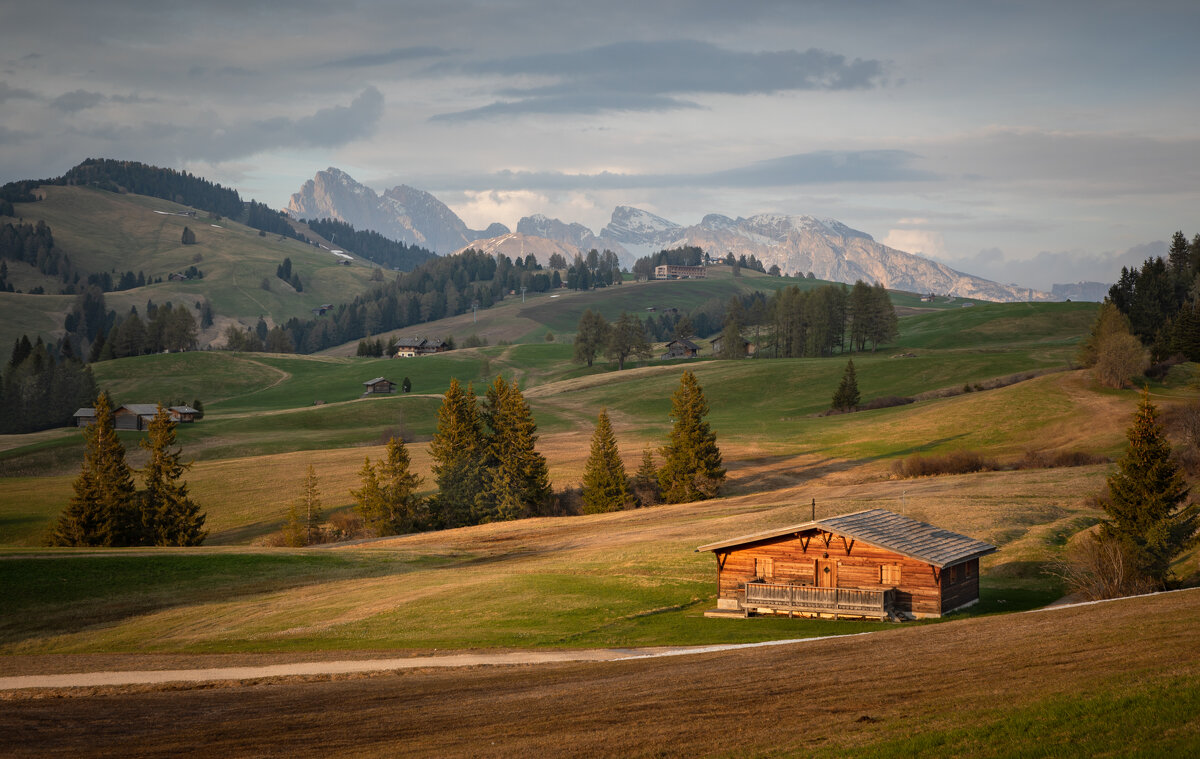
pixel 856 602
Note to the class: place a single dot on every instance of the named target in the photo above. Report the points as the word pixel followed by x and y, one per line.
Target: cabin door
pixel 826 574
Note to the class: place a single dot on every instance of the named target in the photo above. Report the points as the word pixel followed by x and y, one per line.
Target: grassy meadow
pixel 624 579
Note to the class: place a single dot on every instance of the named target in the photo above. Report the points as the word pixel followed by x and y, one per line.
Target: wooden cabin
pixel 183 414
pixel 379 386
pixel 681 348
pixel 873 564
pixel 134 416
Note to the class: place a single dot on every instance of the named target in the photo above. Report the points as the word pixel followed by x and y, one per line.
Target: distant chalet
pixel 411 347
pixel 136 416
pixel 874 564
pixel 379 386
pixel 681 348
pixel 671 271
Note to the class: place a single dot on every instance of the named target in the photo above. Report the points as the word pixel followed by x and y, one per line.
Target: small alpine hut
pixel 874 564
pixel 379 386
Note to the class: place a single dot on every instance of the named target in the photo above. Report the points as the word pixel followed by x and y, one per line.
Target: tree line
pixel 369 244
pixel 487 468
pixel 41 387
pixel 1161 299
pixel 107 509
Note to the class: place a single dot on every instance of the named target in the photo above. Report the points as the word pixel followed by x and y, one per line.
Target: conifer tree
pixel 605 484
pixel 457 449
pixel 169 516
pixel 310 507
pixel 1146 493
pixel 846 397
pixel 645 481
pixel 692 461
pixel 516 480
pixel 102 511
pixel 368 500
pixel 401 509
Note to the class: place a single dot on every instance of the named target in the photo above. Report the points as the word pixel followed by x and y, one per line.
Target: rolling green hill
pixel 105 231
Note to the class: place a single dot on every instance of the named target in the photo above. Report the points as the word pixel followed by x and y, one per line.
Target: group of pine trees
pixel 41 387
pixel 691 469
pixel 594 270
pixel 1161 300
pixel 108 510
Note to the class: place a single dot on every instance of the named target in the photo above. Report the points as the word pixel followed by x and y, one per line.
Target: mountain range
pixel 797 244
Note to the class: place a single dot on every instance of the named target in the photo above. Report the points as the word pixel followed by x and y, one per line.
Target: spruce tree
pixel 368 500
pixel 645 481
pixel 1146 495
pixel 103 510
pixel 457 449
pixel 169 516
pixel 846 397
pixel 691 469
pixel 605 485
pixel 310 507
pixel 516 479
pixel 402 507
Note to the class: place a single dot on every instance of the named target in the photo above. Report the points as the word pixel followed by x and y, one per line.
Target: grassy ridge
pixel 104 231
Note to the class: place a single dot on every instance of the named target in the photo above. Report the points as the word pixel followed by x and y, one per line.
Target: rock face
pixel 800 244
pixel 403 213
pixel 574 235
pixel 516 245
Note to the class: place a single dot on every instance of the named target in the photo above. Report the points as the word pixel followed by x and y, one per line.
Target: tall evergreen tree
pixel 516 479
pixel 605 484
pixel 846 397
pixel 102 511
pixel 309 506
pixel 169 516
pixel 1146 495
pixel 691 469
pixel 388 502
pixel 457 449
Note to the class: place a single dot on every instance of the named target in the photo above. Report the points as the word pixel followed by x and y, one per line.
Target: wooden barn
pixel 379 386
pixel 134 416
pixel 681 348
pixel 874 564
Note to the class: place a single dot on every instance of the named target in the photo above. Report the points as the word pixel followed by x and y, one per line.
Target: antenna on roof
pixel 814 510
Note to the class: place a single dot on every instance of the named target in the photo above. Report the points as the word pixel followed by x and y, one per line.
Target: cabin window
pixel 764 567
pixel 889 574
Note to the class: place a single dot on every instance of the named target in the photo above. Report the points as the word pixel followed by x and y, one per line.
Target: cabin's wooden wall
pixel 920 590
pixel 960 585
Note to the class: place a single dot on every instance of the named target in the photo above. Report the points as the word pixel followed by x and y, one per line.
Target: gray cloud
pixel 78 100
pixel 643 76
pixel 329 127
pixel 1048 268
pixel 14 93
pixel 825 166
pixel 396 55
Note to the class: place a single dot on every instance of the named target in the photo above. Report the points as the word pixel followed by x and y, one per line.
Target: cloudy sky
pixel 1028 142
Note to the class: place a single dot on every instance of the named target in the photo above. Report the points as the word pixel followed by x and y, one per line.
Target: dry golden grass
pixel 984 676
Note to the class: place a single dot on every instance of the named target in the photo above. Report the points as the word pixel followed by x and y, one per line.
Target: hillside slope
pixel 105 231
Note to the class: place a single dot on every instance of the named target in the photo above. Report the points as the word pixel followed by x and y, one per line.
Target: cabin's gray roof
pixel 685 343
pixel 933 545
pixel 184 409
pixel 410 342
pixel 141 409
pixel 85 412
pixel 379 379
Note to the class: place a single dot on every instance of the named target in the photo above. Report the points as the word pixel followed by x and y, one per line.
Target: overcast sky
pixel 1028 142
